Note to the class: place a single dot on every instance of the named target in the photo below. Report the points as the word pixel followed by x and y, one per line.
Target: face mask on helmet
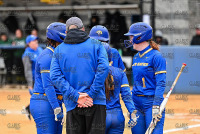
pixel 128 43
pixel 140 31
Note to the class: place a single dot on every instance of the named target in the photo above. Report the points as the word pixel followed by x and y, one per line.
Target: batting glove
pixel 58 114
pixel 133 119
pixel 156 112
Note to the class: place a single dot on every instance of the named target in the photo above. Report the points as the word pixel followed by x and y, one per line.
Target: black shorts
pixel 90 120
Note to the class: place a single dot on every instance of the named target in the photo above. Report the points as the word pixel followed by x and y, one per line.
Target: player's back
pixel 43 64
pixel 114 100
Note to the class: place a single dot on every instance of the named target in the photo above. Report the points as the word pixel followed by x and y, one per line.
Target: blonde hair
pixel 154 45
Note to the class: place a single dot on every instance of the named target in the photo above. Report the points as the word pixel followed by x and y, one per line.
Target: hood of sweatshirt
pixel 75 36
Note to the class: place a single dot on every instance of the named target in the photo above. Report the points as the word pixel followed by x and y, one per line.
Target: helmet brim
pixel 128 34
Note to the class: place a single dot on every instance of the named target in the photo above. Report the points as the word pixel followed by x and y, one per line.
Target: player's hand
pixel 133 119
pixel 156 113
pixel 63 120
pixel 30 89
pixel 84 100
pixel 58 114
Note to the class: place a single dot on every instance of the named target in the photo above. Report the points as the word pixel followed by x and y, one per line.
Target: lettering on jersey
pixel 140 64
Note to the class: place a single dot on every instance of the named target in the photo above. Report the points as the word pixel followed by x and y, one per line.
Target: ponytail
pixel 109 86
pixel 51 42
pixel 154 45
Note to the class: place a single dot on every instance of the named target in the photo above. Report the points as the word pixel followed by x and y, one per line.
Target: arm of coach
pixel 59 80
pixel 101 72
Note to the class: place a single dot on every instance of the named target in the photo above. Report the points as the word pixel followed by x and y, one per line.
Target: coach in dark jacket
pixel 78 69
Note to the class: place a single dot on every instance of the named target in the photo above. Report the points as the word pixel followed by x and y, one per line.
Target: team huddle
pixel 88 76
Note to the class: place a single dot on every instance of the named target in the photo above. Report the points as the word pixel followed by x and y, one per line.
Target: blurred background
pixel 176 26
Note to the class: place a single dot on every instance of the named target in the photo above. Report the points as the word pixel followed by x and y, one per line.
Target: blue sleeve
pixel 126 93
pixel 160 75
pixel 59 80
pixel 47 84
pixel 101 73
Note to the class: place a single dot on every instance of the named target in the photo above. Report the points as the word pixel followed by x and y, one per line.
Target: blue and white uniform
pixel 149 74
pixel 115 120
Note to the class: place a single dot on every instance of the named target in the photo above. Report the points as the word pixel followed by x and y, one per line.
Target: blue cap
pixel 30 38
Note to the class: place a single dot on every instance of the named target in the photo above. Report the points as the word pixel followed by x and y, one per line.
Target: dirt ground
pixel 182 113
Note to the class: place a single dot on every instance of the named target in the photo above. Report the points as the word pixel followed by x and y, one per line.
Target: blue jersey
pixel 43 84
pixel 121 85
pixel 149 74
pixel 80 67
pixel 32 55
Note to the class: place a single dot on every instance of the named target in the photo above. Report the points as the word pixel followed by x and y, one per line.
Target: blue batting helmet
pixel 141 32
pixel 100 33
pixel 56 31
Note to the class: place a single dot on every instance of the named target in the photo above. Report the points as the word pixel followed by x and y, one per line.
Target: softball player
pixel 116 83
pixel 101 33
pixel 149 74
pixel 46 101
pixel 29 59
